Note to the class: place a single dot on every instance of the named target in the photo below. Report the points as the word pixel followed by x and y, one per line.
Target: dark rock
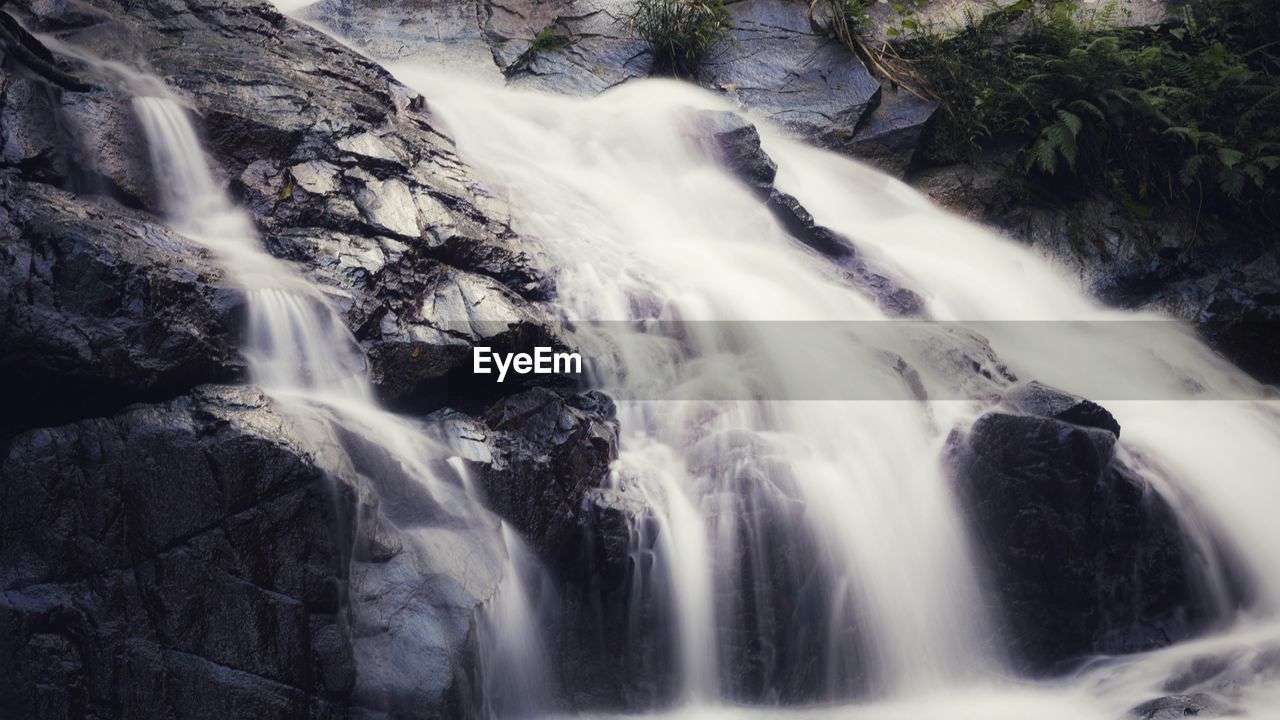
pixel 736 143
pixel 549 451
pixel 1180 706
pixel 1037 399
pixel 182 559
pixel 20 49
pixel 889 135
pixel 800 224
pixel 1084 556
pixel 1241 317
pixel 100 306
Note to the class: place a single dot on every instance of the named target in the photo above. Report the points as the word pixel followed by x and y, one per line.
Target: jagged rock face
pixel 345 176
pixel 181 559
pixel 341 168
pixel 549 452
pixel 780 66
pixel 1083 555
pixel 100 306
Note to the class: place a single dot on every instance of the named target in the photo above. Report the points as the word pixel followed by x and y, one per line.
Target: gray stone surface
pixel 776 64
pixel 182 559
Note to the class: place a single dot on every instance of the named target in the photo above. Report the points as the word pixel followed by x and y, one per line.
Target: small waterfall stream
pixel 305 358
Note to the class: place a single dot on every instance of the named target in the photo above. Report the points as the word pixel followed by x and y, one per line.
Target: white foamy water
pixel 641 224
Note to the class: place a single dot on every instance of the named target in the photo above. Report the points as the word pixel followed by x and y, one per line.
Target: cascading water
pixel 644 225
pixel 306 359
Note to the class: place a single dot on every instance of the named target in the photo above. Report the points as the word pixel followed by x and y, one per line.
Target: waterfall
pixel 645 227
pixel 633 217
pixel 777 533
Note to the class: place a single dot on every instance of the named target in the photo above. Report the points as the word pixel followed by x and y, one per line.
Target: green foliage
pixel 1187 112
pixel 547 40
pixel 849 18
pixel 680 33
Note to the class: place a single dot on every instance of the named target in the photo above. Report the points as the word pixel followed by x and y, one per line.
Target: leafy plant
pixel 1185 112
pixel 680 33
pixel 849 18
pixel 547 40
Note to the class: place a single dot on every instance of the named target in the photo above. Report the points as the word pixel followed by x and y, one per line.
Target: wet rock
pixel 31 141
pixel 1180 706
pixel 1035 398
pixel 779 66
pixel 736 144
pixel 1084 556
pixel 888 136
pixel 181 558
pixel 100 306
pixel 797 221
pixel 66 132
pixel 549 451
pixel 976 191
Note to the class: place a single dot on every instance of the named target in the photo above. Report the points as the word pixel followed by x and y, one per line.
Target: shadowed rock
pixel 180 559
pixel 100 306
pixel 1084 556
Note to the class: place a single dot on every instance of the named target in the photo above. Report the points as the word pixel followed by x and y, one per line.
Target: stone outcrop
pixel 100 306
pixel 1084 556
pixel 181 559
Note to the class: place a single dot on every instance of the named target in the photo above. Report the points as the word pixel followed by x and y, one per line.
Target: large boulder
pixel 778 65
pixel 1084 556
pixel 101 306
pixel 183 559
pixel 550 451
